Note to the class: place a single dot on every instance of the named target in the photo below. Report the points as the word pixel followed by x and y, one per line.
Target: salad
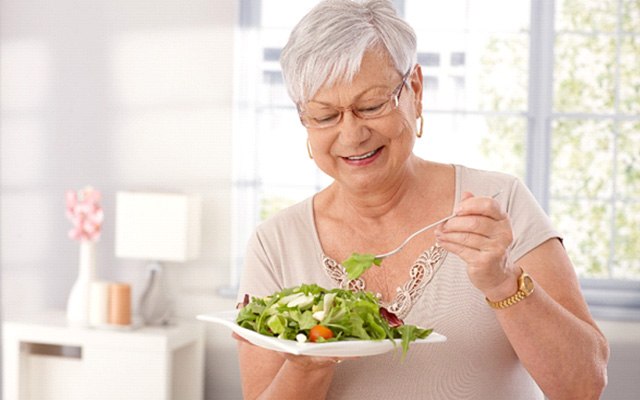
pixel 311 313
pixel 358 263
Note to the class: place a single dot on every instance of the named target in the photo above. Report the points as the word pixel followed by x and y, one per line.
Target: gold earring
pixel 419 133
pixel 309 150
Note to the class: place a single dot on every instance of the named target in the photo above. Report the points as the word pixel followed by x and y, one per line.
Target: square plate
pixel 347 348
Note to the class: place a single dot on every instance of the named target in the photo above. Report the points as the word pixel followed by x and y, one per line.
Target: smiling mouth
pixel 364 156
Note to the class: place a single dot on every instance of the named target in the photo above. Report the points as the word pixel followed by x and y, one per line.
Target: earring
pixel 419 133
pixel 309 150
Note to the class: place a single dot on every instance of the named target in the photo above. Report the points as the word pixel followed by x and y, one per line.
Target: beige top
pixel 476 361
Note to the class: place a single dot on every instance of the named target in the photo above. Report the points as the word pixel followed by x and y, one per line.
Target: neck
pixel 375 203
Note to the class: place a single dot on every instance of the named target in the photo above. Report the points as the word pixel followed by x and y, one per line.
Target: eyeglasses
pixel 328 116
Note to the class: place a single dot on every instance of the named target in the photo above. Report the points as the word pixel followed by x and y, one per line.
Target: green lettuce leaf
pixel 357 264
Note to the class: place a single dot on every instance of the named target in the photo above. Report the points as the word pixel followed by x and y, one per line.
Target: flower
pixel 85 213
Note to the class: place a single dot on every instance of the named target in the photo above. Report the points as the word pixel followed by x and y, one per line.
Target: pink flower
pixel 85 213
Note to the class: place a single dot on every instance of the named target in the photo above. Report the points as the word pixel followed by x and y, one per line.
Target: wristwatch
pixel 525 288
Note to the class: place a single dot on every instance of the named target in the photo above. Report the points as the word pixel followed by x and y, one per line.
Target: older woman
pixel 495 279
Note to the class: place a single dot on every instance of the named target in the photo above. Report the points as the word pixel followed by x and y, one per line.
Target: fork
pixel 380 257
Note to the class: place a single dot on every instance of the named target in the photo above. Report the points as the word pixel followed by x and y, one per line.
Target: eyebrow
pixel 356 98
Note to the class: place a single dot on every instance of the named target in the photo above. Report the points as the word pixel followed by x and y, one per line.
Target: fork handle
pixel 414 234
pixel 426 228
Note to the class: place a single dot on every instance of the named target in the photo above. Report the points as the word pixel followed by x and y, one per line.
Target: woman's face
pixel 366 154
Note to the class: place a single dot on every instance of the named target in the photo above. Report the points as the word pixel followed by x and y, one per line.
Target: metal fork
pixel 416 233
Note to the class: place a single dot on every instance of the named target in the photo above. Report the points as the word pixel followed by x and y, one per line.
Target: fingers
pixel 473 241
pixel 477 218
pixel 479 205
pixel 481 235
pixel 311 363
pixel 478 233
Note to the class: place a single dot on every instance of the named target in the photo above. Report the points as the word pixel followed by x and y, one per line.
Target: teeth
pixel 362 157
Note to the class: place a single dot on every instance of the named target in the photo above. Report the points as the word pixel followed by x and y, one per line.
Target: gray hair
pixel 328 44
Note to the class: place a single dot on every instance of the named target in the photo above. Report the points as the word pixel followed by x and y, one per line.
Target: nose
pixel 352 129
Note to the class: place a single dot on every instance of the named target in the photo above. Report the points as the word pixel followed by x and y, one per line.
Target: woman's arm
pixel 268 374
pixel 551 331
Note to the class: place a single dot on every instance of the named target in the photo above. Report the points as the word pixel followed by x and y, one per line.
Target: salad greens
pixel 293 312
pixel 357 264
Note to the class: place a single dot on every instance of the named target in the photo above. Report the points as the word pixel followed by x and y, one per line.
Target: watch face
pixel 527 284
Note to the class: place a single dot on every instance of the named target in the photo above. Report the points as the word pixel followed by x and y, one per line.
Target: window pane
pixel 631 16
pixel 585 227
pixel 586 15
pixel 495 143
pixel 474 52
pixel 429 59
pixel 630 75
pixel 629 162
pixel 581 159
pixel 502 83
pixel 493 67
pixel 503 147
pixel 457 59
pixel 584 73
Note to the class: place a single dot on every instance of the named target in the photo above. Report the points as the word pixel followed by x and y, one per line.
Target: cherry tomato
pixel 318 332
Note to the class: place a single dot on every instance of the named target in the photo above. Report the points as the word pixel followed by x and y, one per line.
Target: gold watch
pixel 525 288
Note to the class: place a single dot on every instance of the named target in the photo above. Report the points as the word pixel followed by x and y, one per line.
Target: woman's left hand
pixel 481 234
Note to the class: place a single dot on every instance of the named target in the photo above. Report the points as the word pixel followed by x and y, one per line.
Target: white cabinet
pixel 45 359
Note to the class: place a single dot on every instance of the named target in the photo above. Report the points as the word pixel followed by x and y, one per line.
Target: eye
pixel 323 118
pixel 371 107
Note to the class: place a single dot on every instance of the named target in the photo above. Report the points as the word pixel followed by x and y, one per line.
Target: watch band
pixel 508 302
pixel 524 289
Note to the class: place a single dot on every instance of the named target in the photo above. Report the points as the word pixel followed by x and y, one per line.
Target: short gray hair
pixel 328 44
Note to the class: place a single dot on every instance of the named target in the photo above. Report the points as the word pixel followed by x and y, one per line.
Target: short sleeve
pixel 530 224
pixel 258 274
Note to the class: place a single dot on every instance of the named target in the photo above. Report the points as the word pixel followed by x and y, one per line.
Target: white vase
pixel 78 303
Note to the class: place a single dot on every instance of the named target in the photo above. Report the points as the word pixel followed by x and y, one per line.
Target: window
pixel 457 58
pixel 546 90
pixel 429 59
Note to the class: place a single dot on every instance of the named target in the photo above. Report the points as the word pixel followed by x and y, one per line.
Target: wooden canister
pixel 120 304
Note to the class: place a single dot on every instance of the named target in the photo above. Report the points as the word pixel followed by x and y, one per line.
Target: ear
pixel 415 80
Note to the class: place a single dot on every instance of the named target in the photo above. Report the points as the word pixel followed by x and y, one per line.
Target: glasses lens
pixel 375 109
pixel 320 118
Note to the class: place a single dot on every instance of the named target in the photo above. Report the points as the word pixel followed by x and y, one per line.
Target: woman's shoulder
pixel 483 182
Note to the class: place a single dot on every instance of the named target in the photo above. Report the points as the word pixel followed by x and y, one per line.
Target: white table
pixel 44 358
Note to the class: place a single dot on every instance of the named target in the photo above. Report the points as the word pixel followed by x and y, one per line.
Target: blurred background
pixel 180 96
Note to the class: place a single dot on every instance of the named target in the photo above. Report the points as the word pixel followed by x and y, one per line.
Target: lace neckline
pixel 420 275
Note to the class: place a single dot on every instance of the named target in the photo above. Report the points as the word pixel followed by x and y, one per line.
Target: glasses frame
pixel 395 97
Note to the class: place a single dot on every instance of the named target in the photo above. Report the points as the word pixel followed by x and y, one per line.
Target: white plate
pixel 350 348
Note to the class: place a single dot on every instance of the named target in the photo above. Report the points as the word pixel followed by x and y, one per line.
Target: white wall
pixel 116 94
